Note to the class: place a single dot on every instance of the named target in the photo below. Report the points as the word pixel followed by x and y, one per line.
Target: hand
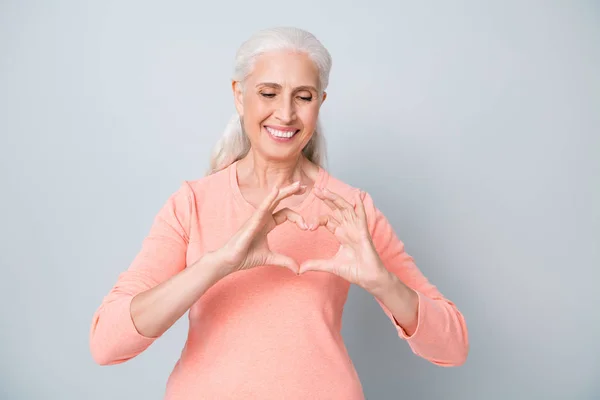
pixel 248 248
pixel 356 260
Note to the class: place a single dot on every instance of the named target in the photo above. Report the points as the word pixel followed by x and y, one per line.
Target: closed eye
pixel 271 95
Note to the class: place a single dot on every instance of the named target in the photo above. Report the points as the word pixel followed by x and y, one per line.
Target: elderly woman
pixel 262 252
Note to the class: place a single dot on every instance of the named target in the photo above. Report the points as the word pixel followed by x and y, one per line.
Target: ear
pixel 238 97
pixel 323 97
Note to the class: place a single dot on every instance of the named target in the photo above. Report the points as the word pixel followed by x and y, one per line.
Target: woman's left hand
pixel 356 260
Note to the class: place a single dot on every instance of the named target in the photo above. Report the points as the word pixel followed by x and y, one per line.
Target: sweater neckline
pixel 320 181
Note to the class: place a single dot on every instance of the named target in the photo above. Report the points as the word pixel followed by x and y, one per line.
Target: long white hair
pixel 234 144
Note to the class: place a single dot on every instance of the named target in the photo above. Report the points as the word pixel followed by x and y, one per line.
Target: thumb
pixel 316 265
pixel 283 261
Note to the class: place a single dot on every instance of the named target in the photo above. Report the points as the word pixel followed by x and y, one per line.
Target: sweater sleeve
pixel 113 336
pixel 441 335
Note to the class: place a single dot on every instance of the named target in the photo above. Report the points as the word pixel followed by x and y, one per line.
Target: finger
pixel 293 189
pixel 249 229
pixel 289 190
pixel 271 197
pixel 338 200
pixel 279 260
pixel 316 265
pixel 360 209
pixel 328 221
pixel 285 214
pixel 319 193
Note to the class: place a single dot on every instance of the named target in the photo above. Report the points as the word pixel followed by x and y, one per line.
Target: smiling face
pixel 280 104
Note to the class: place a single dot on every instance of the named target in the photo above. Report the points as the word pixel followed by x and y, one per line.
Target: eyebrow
pixel 278 86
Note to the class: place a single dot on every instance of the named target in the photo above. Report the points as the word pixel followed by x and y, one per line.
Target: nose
pixel 286 112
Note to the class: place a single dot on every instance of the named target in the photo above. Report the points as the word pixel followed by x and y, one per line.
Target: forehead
pixel 285 68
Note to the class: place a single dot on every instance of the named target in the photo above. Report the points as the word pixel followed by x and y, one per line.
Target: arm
pixel 155 291
pixel 432 325
pixel 157 309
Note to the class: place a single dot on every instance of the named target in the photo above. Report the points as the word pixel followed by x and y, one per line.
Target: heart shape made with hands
pixel 356 260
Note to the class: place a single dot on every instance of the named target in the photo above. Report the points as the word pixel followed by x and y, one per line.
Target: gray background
pixel 475 128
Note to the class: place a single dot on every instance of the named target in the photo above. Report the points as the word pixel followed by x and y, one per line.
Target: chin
pixel 280 156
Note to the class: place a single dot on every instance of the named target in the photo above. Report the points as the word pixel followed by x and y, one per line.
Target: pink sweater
pixel 264 333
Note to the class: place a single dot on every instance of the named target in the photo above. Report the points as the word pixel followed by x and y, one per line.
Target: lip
pixel 280 139
pixel 281 128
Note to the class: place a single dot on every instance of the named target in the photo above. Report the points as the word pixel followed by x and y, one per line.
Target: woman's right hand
pixel 248 247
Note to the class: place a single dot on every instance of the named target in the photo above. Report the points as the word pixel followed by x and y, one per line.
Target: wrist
pixel 388 284
pixel 382 282
pixel 400 299
pixel 214 264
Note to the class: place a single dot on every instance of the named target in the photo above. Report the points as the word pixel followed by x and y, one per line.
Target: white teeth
pixel 280 134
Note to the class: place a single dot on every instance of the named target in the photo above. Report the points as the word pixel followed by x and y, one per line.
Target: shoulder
pixel 182 205
pixel 184 201
pixel 197 188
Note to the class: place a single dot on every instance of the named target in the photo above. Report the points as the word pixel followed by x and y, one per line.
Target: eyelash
pixel 271 95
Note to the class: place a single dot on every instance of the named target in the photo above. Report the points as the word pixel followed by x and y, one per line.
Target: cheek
pixel 249 108
pixel 309 116
pixel 256 111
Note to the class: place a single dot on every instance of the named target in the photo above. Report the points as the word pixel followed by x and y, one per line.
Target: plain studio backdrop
pixel 474 127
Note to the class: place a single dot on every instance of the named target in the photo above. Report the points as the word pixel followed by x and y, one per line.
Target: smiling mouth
pixel 281 135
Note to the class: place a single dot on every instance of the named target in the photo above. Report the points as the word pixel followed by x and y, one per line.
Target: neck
pixel 265 174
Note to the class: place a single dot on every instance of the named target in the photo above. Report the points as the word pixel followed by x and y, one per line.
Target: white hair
pixel 234 144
